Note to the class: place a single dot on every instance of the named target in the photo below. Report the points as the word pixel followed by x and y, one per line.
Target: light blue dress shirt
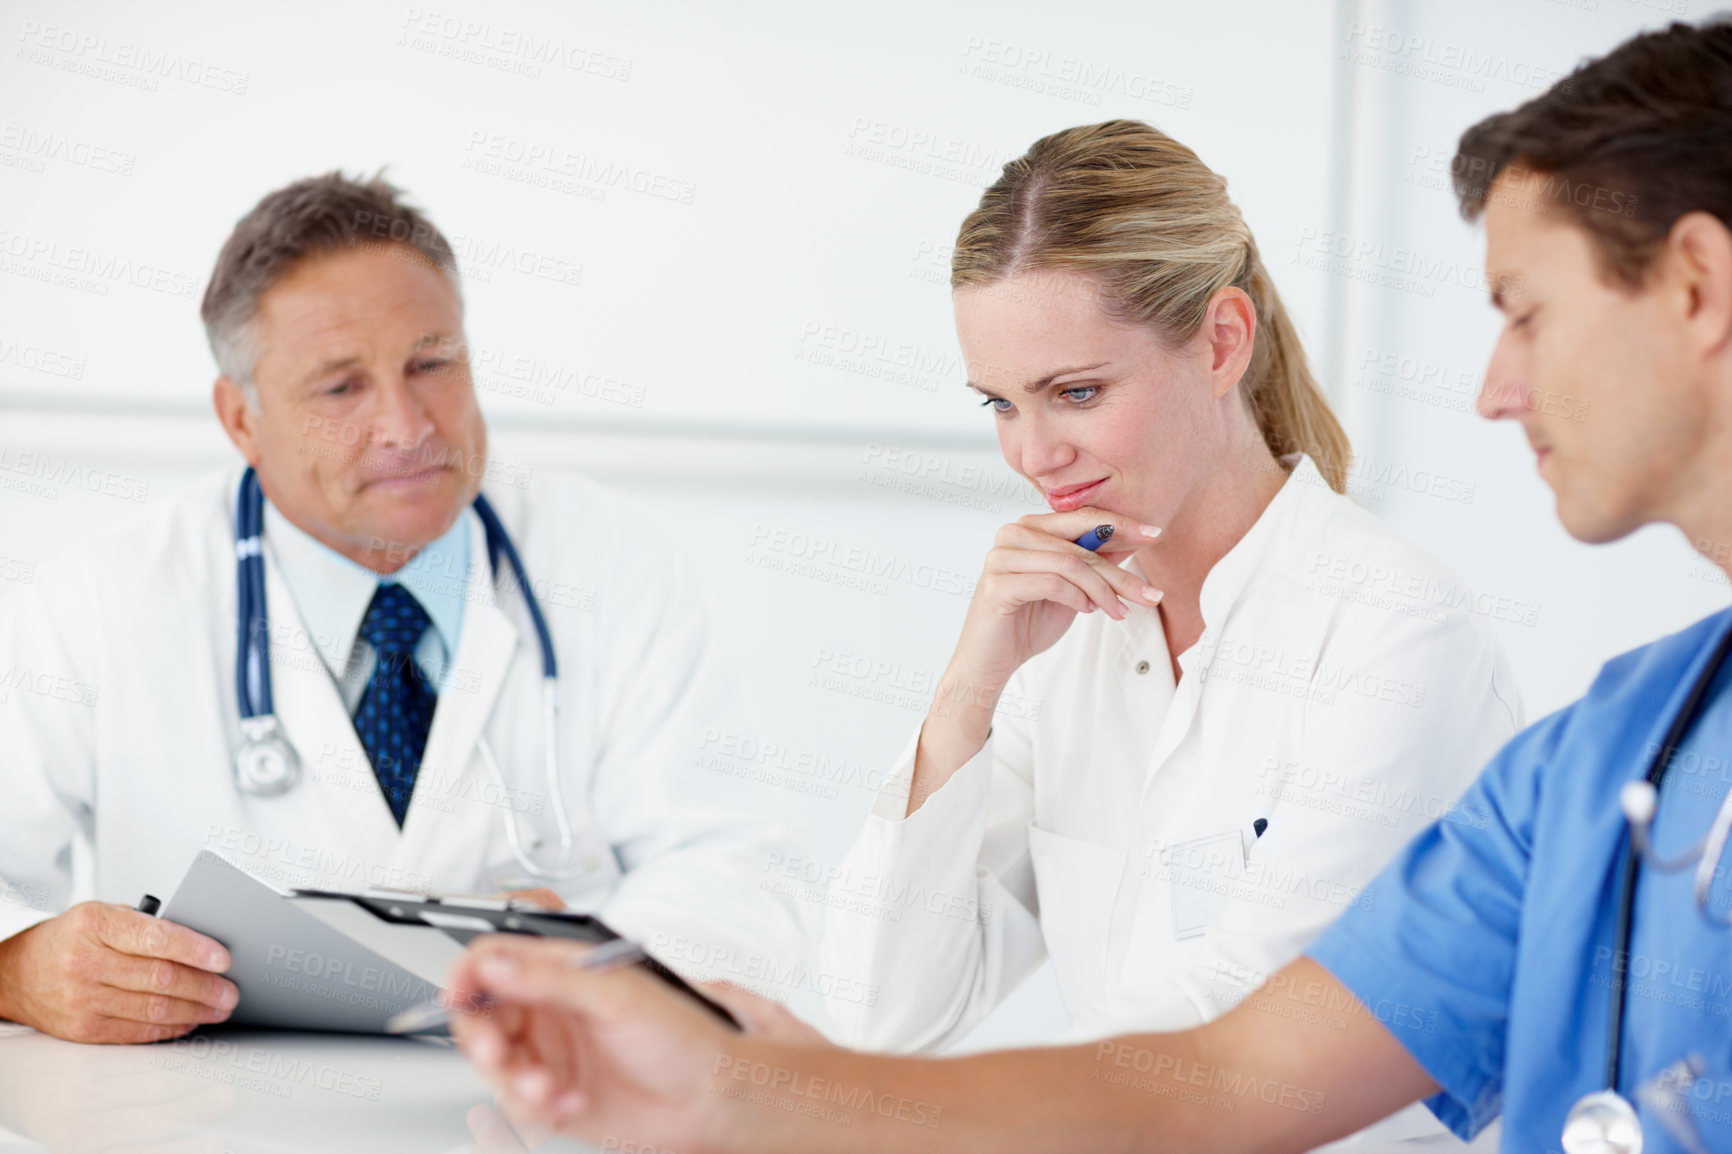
pixel 1486 946
pixel 332 593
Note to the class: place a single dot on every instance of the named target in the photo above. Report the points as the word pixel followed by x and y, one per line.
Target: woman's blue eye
pixel 1080 394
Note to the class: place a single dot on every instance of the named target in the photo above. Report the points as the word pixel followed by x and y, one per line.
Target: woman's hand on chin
pixel 1036 579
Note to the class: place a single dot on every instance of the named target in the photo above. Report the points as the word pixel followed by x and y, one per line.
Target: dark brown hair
pixel 316 215
pixel 1153 228
pixel 1623 146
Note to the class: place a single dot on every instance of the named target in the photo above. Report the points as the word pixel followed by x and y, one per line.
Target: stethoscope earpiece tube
pixel 266 764
pixel 498 541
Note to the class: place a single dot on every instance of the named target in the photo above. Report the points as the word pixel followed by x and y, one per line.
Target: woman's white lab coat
pixel 118 730
pixel 1345 692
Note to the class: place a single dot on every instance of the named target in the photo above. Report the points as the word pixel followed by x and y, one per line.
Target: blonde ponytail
pixel 1290 409
pixel 1138 211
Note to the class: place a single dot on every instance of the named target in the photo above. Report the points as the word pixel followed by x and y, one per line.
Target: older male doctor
pixel 331 666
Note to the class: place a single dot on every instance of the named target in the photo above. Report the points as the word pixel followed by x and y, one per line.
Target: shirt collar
pixel 332 592
pixel 1233 573
pixel 439 578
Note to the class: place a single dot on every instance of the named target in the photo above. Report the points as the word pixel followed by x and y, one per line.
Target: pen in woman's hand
pixel 1096 537
pixel 427 1015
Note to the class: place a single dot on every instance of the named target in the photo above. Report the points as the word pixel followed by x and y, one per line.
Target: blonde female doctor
pixel 1168 763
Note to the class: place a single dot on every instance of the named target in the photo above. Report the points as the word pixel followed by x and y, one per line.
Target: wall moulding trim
pixel 186 436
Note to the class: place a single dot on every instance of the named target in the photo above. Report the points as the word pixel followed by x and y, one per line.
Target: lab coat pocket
pixel 1077 883
pixel 1202 873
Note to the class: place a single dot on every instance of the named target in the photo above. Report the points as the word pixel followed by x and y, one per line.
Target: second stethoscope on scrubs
pixel 267 764
pixel 1605 1122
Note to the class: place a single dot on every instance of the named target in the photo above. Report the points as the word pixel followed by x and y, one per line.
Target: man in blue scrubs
pixel 1481 971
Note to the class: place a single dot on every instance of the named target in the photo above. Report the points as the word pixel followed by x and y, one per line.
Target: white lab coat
pixel 1343 690
pixel 119 727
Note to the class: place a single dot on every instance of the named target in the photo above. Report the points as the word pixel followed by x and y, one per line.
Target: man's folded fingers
pixel 158 1009
pixel 159 976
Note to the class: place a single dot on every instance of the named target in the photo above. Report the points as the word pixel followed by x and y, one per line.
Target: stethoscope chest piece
pixel 267 764
pixel 1603 1122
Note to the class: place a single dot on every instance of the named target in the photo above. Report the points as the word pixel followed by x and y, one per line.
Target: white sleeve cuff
pixel 968 786
pixel 15 920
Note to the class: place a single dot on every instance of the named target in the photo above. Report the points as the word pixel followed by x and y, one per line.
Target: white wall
pixel 736 307
pixel 1423 72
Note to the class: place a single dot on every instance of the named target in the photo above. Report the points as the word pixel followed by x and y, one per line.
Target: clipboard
pixel 343 962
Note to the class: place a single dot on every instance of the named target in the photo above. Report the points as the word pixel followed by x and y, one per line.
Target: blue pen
pixel 1096 537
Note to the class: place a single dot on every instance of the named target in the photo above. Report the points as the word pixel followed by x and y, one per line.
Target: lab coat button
pixel 1142 667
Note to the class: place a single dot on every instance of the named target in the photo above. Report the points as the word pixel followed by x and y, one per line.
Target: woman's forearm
pixel 793 1100
pixel 956 727
pixel 1273 1075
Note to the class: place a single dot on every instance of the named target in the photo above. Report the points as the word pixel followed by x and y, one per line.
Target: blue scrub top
pixel 1486 946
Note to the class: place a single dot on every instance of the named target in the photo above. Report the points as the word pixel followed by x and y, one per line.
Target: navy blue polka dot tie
pixel 397 708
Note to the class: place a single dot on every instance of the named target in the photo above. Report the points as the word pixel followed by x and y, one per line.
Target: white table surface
pixel 234 1092
pixel 274 1092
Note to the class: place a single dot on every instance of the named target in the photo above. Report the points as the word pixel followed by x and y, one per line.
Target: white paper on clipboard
pixel 306 970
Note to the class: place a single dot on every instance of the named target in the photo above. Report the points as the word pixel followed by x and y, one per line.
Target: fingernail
pixel 532 1085
pixel 215 959
pixel 1149 530
pixel 1151 594
pixel 497 967
pixel 227 999
pixel 485 1049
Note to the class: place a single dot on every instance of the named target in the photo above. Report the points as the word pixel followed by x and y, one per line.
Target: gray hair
pixel 317 215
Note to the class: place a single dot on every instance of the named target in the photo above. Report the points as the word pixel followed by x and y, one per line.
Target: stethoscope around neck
pixel 267 764
pixel 1604 1121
